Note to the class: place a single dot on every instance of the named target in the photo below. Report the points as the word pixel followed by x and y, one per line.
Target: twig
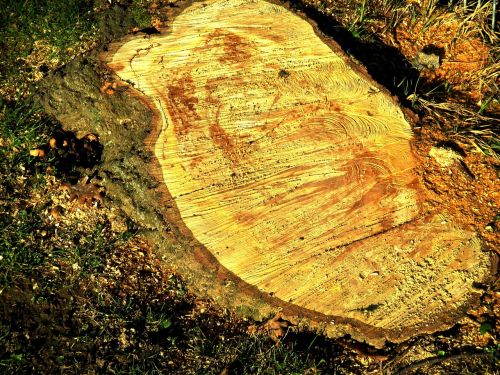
pixel 494 15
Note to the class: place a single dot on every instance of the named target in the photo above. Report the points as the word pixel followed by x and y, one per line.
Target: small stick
pixel 494 15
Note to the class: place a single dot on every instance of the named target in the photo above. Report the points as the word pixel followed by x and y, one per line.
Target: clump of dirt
pixel 446 156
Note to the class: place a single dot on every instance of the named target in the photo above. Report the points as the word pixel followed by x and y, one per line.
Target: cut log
pixel 295 170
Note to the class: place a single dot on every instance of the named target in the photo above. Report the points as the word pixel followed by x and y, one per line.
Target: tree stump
pixel 295 170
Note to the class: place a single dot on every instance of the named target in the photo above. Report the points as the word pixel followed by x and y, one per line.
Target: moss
pixel 139 14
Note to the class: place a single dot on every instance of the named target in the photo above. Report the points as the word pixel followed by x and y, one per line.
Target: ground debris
pixel 85 191
pixel 276 327
pixel 425 60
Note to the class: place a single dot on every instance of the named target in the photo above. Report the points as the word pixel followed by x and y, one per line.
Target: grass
pixel 78 295
pixel 138 10
pixel 22 127
pixel 358 27
pixel 38 36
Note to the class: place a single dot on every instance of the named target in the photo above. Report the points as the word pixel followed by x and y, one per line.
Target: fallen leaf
pixel 275 327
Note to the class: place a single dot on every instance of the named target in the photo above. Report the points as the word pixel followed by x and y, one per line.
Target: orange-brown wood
pixel 294 169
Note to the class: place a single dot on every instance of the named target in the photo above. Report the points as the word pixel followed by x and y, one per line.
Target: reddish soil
pixel 467 190
pixel 463 56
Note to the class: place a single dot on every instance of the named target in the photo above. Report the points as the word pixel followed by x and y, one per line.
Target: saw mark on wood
pixel 295 170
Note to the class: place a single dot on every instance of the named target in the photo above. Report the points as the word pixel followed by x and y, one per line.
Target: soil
pixel 467 189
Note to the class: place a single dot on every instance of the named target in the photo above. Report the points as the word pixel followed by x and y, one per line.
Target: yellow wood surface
pixel 294 169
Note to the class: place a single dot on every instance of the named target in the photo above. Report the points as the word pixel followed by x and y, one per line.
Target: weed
pixel 485 327
pixel 358 27
pixel 139 13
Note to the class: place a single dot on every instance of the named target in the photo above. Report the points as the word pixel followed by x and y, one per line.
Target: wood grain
pixel 294 169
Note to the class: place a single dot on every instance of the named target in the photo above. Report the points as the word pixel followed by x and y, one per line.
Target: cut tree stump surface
pixel 294 169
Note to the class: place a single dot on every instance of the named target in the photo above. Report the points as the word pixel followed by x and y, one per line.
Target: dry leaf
pixel 84 191
pixel 275 327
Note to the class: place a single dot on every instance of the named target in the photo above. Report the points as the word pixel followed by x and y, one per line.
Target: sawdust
pixel 445 157
pixel 85 191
